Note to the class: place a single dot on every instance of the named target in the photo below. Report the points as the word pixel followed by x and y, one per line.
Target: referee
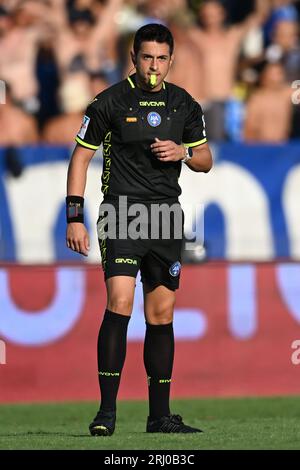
pixel 148 127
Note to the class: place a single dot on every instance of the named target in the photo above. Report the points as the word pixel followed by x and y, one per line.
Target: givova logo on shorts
pixel 126 261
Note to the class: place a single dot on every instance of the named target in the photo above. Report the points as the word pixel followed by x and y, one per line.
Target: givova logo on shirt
pixel 152 103
pixel 84 126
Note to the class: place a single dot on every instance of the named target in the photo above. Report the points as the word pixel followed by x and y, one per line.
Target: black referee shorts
pixel 151 243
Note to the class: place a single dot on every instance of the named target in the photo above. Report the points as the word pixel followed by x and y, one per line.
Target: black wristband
pixel 74 209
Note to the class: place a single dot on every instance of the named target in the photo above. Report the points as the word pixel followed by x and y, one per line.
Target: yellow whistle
pixel 152 80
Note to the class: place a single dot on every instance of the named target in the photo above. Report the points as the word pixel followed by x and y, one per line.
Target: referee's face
pixel 153 58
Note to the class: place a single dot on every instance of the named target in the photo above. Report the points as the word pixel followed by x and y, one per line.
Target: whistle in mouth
pixel 152 80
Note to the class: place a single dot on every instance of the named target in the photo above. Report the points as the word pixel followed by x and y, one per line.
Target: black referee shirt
pixel 126 119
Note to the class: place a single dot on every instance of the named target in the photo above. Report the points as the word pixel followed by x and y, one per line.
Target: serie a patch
pixel 84 126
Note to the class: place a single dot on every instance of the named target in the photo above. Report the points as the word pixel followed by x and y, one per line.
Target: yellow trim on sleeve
pixel 84 144
pixel 194 144
pixel 131 82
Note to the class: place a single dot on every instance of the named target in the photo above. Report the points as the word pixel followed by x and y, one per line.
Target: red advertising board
pixel 237 330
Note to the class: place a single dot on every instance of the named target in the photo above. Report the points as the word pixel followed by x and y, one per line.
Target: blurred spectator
pixel 282 10
pixel 161 11
pixel 286 48
pixel 235 113
pixel 47 74
pixel 186 70
pixel 89 42
pixel 75 94
pixel 219 47
pixel 48 46
pixel 269 109
pixel 19 34
pixel 16 127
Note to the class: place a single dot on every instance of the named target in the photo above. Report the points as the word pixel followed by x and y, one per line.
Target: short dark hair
pixel 153 32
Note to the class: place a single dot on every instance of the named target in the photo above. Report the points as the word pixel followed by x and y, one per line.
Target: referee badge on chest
pixel 154 119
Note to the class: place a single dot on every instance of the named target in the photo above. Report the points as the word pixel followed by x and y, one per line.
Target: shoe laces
pixel 173 423
pixel 176 419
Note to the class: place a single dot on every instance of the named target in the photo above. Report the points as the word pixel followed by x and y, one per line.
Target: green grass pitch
pixel 236 423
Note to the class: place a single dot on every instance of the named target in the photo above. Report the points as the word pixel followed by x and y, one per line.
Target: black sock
pixel 111 356
pixel 158 360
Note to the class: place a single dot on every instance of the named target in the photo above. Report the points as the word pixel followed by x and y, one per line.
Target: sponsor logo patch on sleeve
pixel 84 126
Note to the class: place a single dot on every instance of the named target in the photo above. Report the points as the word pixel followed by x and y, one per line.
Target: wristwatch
pixel 188 154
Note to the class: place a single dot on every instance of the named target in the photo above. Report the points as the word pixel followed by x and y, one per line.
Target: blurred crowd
pixel 239 59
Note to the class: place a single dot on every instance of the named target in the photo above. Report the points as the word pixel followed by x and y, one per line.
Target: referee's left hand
pixel 77 238
pixel 167 150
